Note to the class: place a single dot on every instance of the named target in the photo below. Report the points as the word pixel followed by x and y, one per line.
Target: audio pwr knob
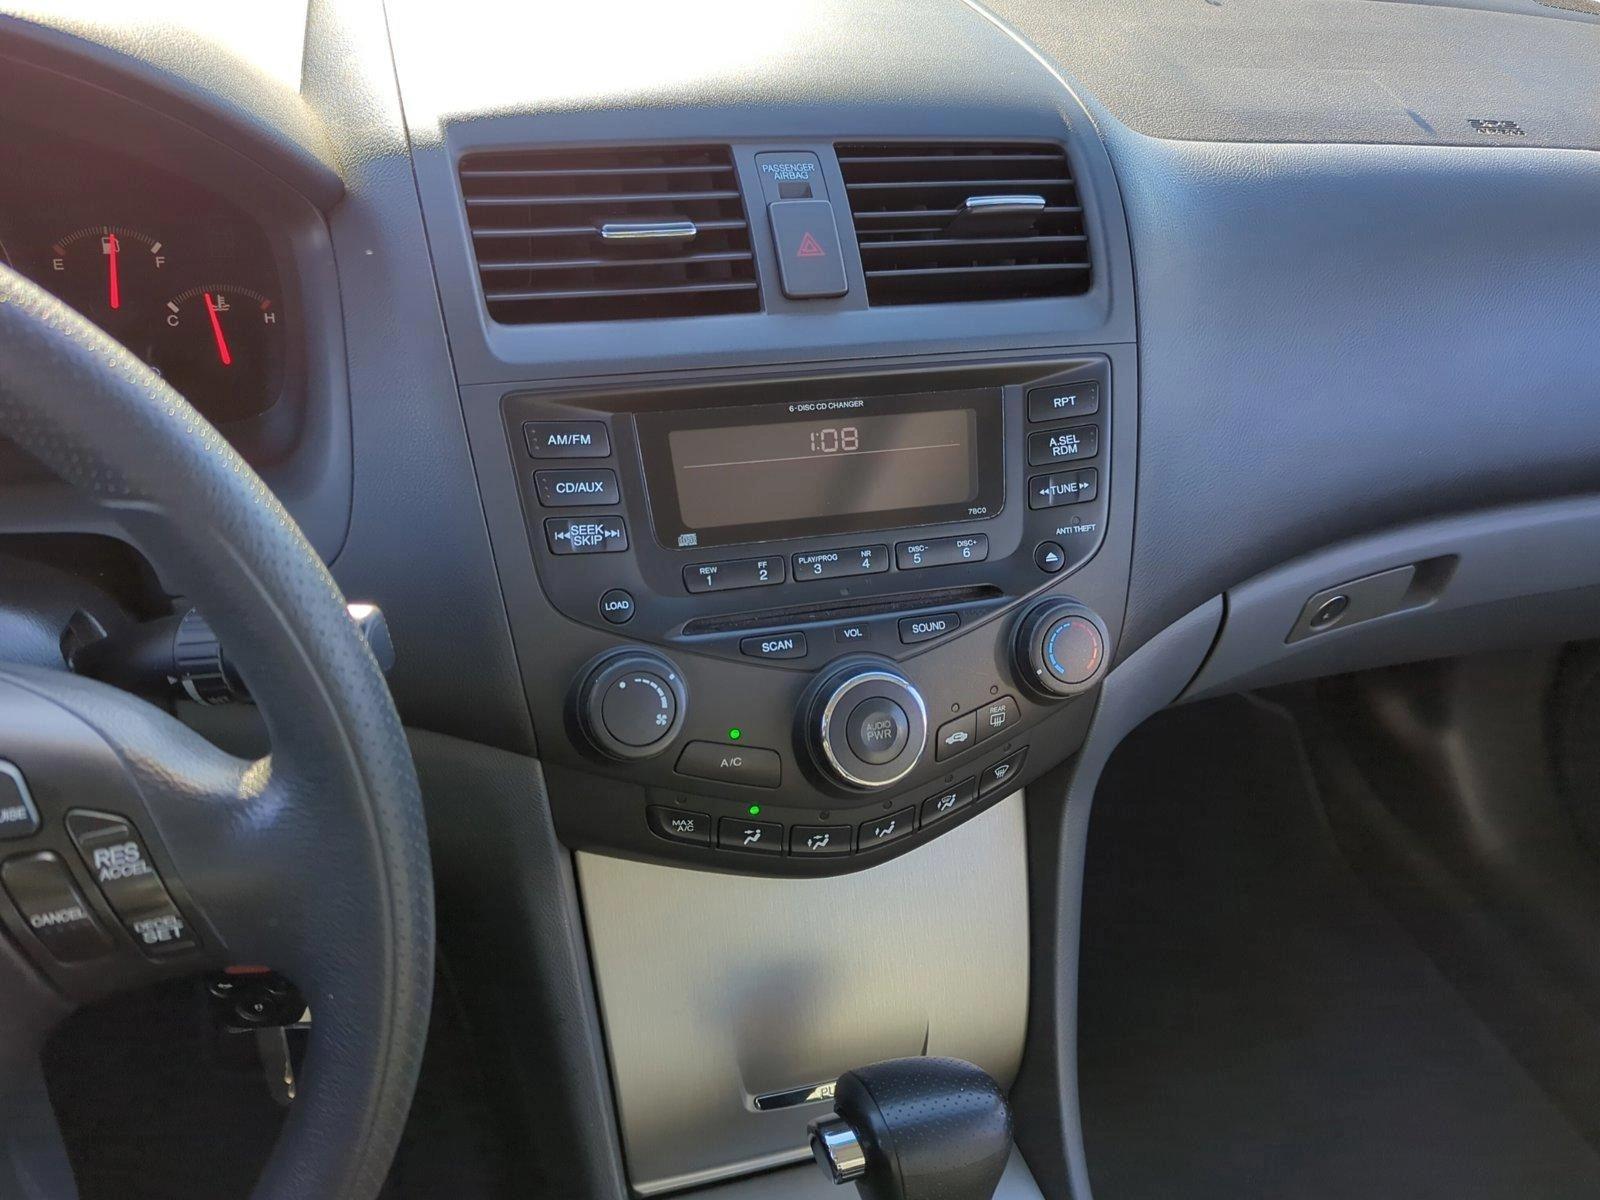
pixel 631 704
pixel 865 725
pixel 1061 649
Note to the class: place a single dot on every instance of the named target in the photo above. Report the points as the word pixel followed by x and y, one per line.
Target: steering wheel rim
pixel 313 861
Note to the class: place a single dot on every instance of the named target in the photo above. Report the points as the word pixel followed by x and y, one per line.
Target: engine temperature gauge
pixel 221 346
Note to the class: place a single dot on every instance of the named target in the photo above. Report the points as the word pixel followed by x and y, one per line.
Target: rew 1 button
pixel 877 730
pixel 749 765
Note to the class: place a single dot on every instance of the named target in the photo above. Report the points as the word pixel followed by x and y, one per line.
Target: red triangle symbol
pixel 810 249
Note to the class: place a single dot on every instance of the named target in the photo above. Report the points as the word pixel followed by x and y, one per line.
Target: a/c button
pixel 749 765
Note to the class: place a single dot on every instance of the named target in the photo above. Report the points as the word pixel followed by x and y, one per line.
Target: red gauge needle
pixel 216 329
pixel 112 247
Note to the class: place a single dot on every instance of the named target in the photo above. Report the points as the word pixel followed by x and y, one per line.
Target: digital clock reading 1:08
pixel 835 439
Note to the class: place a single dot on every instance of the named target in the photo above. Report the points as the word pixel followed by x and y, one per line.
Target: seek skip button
pixel 922 629
pixel 774 645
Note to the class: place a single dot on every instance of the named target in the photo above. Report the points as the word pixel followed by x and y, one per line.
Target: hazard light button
pixel 807 241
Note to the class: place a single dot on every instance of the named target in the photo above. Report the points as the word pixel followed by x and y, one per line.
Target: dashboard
pixel 164 265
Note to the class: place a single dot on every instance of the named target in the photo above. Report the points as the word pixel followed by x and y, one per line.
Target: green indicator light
pixel 755 810
pixel 735 734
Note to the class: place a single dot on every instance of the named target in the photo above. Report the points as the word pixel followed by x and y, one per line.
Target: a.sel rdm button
pixel 586 535
pixel 731 764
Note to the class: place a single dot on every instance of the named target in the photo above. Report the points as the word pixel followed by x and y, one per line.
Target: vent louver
pixel 609 234
pixel 944 222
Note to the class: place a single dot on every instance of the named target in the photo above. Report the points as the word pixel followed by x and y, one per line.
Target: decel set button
pixel 121 866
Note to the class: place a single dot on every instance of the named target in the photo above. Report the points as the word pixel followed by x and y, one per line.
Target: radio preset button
pixel 586 535
pixel 567 439
pixel 774 645
pixel 923 629
pixel 1063 445
pixel 568 489
pixel 942 552
pixel 729 576
pixel 831 564
pixel 749 765
pixel 1063 487
pixel 1058 401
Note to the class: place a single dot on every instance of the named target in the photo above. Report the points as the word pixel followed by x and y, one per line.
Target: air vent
pixel 944 222
pixel 609 234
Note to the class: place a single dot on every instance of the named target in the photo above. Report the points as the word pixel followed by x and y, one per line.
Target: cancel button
pixel 921 629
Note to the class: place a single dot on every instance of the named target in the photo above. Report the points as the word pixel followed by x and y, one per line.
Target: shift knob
pixel 916 1129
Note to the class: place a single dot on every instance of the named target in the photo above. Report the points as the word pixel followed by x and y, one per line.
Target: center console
pixel 808 622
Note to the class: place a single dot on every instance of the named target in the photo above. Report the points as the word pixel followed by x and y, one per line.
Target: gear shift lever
pixel 916 1129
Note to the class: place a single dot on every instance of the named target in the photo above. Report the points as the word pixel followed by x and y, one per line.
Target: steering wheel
pixel 313 861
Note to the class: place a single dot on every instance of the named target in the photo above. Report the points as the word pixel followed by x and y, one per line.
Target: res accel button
pixel 116 856
pixel 18 817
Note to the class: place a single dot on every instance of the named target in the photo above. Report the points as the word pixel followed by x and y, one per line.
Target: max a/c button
pixel 922 629
pixel 749 765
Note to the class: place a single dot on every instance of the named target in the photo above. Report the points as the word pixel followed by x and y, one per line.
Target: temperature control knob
pixel 631 704
pixel 865 724
pixel 1061 649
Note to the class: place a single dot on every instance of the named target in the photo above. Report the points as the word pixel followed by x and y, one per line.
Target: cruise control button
pixel 877 730
pixel 922 629
pixel 752 837
pixel 884 830
pixel 42 889
pixel 997 717
pixel 18 817
pixel 820 841
pixel 567 439
pixel 749 765
pixel 1063 487
pixel 774 645
pixel 680 825
pixel 1063 445
pixel 1058 401
pixel 955 736
pixel 116 856
pixel 832 564
pixel 942 552
pixel 1000 774
pixel 729 576
pixel 569 489
pixel 586 535
pixel 951 800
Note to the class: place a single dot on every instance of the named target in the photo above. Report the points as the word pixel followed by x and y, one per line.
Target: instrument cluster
pixel 161 263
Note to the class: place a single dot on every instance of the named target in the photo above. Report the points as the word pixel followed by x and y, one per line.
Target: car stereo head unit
pixel 805 468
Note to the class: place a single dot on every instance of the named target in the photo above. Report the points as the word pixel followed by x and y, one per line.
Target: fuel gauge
pixel 107 273
pixel 220 345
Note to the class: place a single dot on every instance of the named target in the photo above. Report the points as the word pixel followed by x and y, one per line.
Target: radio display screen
pixel 769 471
